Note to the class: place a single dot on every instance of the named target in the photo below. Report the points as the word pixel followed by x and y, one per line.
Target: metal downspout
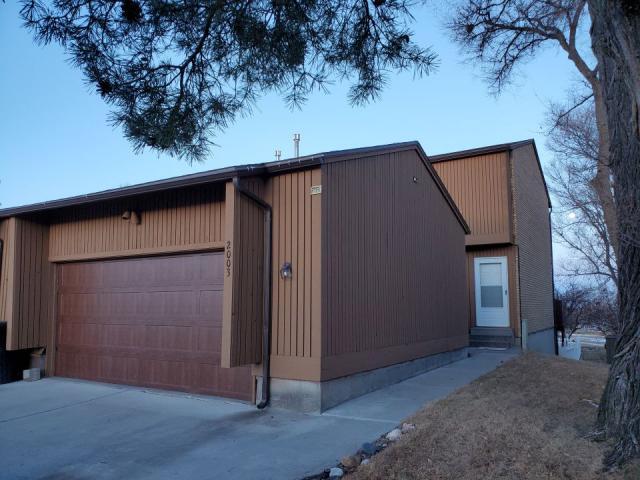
pixel 553 285
pixel 266 290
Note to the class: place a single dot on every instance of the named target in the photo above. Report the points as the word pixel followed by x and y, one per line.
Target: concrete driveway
pixel 66 429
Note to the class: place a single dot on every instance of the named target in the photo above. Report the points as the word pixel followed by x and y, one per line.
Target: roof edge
pixel 227 174
pixel 501 147
pixel 443 189
pixel 474 152
pixel 544 180
pixel 345 155
pixel 200 178
pixel 193 179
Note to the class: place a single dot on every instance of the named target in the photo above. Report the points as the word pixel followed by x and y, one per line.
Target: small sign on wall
pixel 316 189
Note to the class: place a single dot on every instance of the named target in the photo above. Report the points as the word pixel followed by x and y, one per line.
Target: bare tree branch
pixel 579 221
pixel 503 34
pixel 588 306
pixel 560 116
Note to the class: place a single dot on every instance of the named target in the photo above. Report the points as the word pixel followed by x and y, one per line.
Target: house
pixel 502 194
pixel 330 274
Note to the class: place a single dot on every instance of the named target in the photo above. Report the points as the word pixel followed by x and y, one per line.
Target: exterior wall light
pixel 132 216
pixel 286 271
pixel 135 217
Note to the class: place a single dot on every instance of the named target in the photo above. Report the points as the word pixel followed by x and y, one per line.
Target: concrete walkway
pixel 66 429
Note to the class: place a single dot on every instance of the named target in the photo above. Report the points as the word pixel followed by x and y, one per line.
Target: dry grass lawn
pixel 526 420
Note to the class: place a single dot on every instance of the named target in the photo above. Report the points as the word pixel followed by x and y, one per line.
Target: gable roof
pixel 501 147
pixel 228 173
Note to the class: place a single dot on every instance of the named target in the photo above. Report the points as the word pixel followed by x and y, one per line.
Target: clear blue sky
pixel 55 140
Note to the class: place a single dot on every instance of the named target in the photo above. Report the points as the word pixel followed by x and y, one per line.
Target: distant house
pixel 176 284
pixel 502 194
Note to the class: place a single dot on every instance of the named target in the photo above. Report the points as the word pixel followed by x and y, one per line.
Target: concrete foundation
pixel 316 397
pixel 542 341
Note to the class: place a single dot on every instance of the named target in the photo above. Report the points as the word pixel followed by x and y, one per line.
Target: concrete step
pixel 494 337
pixel 492 331
pixel 486 343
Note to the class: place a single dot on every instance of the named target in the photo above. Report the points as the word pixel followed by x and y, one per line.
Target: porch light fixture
pixel 135 217
pixel 132 216
pixel 286 271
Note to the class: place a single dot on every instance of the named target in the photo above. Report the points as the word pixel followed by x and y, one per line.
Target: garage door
pixel 154 322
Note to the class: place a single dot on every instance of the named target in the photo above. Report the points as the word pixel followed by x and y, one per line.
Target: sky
pixel 56 141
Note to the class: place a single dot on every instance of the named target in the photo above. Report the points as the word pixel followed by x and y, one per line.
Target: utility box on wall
pixel 525 333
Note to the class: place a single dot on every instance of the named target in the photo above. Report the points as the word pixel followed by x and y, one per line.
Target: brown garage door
pixel 153 322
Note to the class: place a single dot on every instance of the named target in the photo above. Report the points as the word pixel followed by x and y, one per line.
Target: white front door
pixel 492 292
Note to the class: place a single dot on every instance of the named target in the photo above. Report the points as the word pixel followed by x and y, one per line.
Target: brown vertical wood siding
pixel 27 290
pixel 8 236
pixel 394 265
pixel 480 187
pixel 243 274
pixel 296 302
pixel 511 252
pixel 176 220
pixel 533 236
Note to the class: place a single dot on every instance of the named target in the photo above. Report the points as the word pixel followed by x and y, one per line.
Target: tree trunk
pixel 602 181
pixel 615 35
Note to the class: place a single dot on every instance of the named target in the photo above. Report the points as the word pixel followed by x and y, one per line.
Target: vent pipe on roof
pixel 278 154
pixel 296 145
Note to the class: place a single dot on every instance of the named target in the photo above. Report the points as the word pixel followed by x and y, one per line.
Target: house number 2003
pixel 227 258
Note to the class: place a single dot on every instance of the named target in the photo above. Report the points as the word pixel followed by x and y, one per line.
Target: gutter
pixel 194 179
pixel 266 290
